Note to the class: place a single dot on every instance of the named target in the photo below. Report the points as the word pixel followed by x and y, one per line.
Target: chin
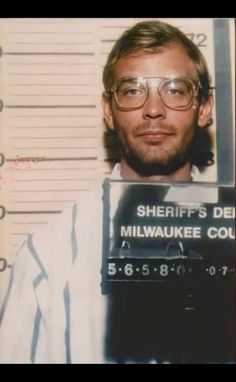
pixel 156 166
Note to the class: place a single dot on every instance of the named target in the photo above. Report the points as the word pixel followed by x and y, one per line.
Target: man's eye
pixel 133 92
pixel 175 92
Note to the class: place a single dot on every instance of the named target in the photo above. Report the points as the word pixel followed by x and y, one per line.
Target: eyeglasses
pixel 175 93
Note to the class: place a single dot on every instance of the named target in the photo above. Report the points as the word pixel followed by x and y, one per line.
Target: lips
pixel 153 136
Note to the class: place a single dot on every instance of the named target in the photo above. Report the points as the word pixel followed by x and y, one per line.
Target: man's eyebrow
pixel 127 78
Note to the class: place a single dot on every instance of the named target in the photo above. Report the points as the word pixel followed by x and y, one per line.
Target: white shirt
pixel 54 307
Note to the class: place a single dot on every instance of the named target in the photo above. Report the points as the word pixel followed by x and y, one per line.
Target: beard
pixel 163 160
pixel 155 167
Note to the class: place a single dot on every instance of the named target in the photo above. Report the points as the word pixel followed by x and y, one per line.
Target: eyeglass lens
pixel 175 92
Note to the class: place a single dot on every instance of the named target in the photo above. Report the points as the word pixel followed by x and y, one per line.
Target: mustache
pixel 153 128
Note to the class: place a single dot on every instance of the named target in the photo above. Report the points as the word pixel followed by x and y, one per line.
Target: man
pixel 158 100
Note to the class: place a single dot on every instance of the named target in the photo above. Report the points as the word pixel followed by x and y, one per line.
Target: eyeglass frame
pixel 195 84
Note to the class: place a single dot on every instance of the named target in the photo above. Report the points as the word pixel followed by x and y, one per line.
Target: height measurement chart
pixel 51 124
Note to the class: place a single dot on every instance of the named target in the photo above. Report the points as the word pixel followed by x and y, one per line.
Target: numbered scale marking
pixel 161 270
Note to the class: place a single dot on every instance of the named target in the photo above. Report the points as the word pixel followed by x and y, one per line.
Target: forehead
pixel 170 61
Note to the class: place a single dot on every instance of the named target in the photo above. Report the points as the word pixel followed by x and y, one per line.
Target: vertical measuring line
pixel 225 144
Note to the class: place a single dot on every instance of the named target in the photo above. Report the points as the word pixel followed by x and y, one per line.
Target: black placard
pixel 169 272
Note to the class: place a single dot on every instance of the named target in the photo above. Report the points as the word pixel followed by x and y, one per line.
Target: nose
pixel 154 107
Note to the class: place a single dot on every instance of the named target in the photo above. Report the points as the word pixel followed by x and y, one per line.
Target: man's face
pixel 154 138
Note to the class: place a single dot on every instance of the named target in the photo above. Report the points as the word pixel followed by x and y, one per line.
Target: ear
pixel 205 112
pixel 107 110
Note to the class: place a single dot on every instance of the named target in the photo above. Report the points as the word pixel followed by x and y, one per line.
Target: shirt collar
pixel 117 176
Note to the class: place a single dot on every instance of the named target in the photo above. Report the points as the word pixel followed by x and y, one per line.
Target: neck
pixel 183 174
